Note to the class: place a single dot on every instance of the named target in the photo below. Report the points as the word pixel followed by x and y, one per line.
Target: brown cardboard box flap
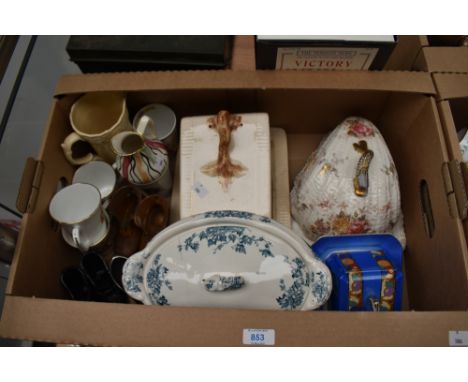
pixel 141 81
pixel 55 321
pixel 423 40
pixel 30 183
pixel 405 53
pixel 454 179
pixel 451 85
pixel 243 53
pixel 452 59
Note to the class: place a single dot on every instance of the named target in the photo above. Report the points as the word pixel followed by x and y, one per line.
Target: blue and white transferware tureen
pixel 228 259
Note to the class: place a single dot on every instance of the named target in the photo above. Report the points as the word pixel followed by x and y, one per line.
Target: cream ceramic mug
pixel 79 211
pixel 96 118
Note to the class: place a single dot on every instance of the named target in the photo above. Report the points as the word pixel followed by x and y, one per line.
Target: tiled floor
pixel 26 120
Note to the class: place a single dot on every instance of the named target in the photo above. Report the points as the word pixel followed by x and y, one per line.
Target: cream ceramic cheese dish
pixel 230 259
pixel 225 163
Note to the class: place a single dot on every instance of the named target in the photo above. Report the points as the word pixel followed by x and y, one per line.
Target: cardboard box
pixel 404 54
pixel 452 103
pixel 307 105
pixel 323 52
pixel 434 57
pixel 402 57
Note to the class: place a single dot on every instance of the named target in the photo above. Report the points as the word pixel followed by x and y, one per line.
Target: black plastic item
pixel 142 53
pixel 104 288
pixel 448 40
pixel 77 284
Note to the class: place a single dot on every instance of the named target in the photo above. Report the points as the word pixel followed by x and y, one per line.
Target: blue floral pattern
pixel 237 237
pixel 293 297
pixel 236 214
pixel 133 284
pixel 155 280
pixel 229 214
pixel 320 289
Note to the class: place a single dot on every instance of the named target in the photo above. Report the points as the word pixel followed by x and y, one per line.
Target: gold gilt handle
pixel 361 179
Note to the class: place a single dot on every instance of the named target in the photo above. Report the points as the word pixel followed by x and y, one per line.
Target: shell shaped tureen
pixel 228 259
pixel 349 185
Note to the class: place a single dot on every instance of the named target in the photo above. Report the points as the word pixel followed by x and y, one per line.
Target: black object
pixel 142 53
pixel 7 46
pixel 116 267
pixel 104 288
pixel 448 40
pixel 266 51
pixel 77 284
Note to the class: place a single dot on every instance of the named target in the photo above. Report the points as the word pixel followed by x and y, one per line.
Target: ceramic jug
pixel 95 119
pixel 143 161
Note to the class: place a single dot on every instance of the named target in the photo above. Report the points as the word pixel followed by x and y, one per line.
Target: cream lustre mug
pixel 81 215
pixel 96 118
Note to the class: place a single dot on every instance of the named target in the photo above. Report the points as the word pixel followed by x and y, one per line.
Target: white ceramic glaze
pixel 228 259
pixel 164 121
pixel 99 174
pixel 249 148
pixel 143 162
pixel 83 220
pixel 96 239
pixel 325 199
pixel 464 146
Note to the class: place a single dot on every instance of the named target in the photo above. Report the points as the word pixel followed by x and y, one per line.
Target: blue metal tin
pixel 366 269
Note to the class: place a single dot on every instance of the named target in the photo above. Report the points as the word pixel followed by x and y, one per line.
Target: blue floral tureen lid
pixel 228 259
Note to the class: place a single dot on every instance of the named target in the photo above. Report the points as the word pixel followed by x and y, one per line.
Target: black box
pixel 139 53
pixel 323 52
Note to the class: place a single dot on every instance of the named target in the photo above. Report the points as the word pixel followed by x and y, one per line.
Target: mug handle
pixel 67 145
pixel 76 239
pixel 146 128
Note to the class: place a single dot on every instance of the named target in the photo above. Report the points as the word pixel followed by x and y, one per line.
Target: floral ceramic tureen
pixel 349 185
pixel 228 259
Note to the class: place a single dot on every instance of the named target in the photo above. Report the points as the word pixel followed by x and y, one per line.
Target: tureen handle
pixel 132 276
pixel 320 285
pixel 218 283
